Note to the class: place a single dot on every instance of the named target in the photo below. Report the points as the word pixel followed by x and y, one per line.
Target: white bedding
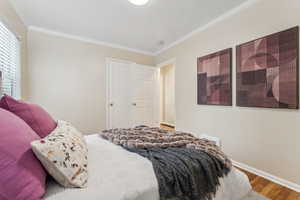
pixel 116 174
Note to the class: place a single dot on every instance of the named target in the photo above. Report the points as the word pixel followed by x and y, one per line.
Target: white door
pixel 133 95
pixel 120 95
pixel 145 95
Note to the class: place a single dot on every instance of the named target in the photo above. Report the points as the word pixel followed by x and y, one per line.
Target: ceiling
pixel 147 29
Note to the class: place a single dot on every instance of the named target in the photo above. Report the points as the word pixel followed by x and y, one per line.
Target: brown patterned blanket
pixel 187 168
pixel 142 137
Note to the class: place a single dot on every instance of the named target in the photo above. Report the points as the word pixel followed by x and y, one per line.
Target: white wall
pixel 267 139
pixel 68 78
pixel 167 74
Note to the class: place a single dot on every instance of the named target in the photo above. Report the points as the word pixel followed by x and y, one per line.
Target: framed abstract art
pixel 268 71
pixel 214 78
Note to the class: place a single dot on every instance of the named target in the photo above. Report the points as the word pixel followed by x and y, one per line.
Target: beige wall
pixel 267 139
pixel 68 78
pixel 167 82
pixel 13 22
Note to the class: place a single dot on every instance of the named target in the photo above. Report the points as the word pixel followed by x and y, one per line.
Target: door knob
pixel 134 104
pixel 111 104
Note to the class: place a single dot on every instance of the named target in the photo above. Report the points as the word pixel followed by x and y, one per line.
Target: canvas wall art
pixel 214 78
pixel 267 71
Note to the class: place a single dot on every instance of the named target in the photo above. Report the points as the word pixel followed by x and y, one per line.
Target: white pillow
pixel 63 153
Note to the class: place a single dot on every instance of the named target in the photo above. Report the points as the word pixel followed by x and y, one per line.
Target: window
pixel 9 63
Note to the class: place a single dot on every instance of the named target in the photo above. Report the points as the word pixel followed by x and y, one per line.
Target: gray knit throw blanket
pixel 186 167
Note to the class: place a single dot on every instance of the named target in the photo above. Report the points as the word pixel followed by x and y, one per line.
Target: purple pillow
pixel 35 116
pixel 21 174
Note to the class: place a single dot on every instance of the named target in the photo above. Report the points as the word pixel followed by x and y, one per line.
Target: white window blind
pixel 9 63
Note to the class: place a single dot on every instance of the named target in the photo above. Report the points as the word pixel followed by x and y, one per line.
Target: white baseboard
pixel 270 177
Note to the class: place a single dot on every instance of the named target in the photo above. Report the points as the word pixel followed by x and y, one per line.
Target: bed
pixel 116 174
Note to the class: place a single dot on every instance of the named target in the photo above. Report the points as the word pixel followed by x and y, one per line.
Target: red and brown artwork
pixel 267 71
pixel 214 79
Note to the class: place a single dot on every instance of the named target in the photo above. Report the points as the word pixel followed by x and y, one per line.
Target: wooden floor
pixel 166 127
pixel 271 190
pixel 265 187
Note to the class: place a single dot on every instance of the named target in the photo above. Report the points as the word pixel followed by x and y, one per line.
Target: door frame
pixel 108 61
pixel 171 61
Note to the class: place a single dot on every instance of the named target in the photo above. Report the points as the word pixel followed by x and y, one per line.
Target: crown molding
pixel 88 40
pixel 228 14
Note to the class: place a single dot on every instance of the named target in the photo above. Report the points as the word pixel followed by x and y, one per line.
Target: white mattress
pixel 116 174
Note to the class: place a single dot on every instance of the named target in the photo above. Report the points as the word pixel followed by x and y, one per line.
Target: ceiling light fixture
pixel 138 2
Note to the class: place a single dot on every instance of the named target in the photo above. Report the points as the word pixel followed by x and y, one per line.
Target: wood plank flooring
pixel 265 187
pixel 271 190
pixel 166 127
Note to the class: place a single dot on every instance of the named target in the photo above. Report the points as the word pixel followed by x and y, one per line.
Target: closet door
pixel 133 95
pixel 145 95
pixel 120 109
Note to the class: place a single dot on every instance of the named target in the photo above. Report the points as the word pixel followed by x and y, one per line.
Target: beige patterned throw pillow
pixel 63 153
